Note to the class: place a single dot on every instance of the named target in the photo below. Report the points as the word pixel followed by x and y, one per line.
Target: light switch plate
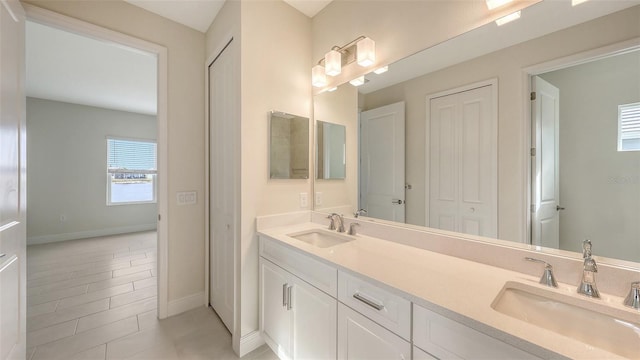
pixel 187 198
pixel 318 198
pixel 304 200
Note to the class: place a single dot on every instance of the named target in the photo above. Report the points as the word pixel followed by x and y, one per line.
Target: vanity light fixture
pixel 509 18
pixel 577 2
pixel 381 70
pixel 492 4
pixel 366 49
pixel 361 50
pixel 318 76
pixel 357 81
pixel 332 89
pixel 333 63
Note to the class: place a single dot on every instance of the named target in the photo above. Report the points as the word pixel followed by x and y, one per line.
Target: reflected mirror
pixel 330 150
pixel 288 146
pixel 469 126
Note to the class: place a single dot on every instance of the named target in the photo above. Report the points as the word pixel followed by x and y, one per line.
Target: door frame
pixel 493 82
pixel 527 74
pixel 66 23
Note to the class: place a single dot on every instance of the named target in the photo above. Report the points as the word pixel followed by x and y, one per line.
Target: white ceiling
pixel 67 67
pixel 199 14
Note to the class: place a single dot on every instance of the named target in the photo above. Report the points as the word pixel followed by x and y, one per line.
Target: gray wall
pixel 66 163
pixel 599 186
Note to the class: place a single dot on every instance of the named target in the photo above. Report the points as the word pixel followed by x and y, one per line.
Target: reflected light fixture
pixel 357 81
pixel 381 70
pixel 577 2
pixel 366 49
pixel 318 76
pixel 333 63
pixel 332 89
pixel 492 4
pixel 509 18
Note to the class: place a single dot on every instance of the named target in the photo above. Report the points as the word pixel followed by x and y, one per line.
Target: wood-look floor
pixel 97 298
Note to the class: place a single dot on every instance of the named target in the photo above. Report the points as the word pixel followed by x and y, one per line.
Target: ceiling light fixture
pixel 509 18
pixel 492 4
pixel 381 70
pixel 361 50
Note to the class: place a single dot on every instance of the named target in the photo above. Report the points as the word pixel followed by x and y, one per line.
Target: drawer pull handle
pixel 2 255
pixel 374 305
pixel 284 296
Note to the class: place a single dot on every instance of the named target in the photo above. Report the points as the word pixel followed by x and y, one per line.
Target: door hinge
pixel 533 152
pixel 533 95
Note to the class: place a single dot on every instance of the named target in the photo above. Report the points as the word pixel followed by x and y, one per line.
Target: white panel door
pixel 545 113
pixel 381 188
pixel 12 182
pixel 463 162
pixel 361 338
pixel 222 183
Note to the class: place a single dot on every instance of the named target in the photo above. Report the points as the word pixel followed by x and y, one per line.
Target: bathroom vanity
pixel 325 294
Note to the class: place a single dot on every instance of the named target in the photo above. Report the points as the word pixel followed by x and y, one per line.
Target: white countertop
pixel 459 289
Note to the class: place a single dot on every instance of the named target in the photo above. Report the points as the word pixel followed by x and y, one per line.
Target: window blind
pixel 629 127
pixel 131 156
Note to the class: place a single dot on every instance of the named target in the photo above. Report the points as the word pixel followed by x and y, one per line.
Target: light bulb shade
pixel 492 4
pixel 333 63
pixel 357 81
pixel 366 52
pixel 381 70
pixel 509 18
pixel 318 77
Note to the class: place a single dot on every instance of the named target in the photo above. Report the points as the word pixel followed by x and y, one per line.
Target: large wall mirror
pixel 469 123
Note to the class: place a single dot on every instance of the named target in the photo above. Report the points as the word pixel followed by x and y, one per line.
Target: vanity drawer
pixel 382 306
pixel 448 339
pixel 316 273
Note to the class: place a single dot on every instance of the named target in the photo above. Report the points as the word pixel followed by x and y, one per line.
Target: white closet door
pixel 382 137
pixel 463 162
pixel 545 222
pixel 222 183
pixel 13 273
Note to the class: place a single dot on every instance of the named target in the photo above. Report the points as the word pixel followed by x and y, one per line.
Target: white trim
pixel 250 342
pixel 186 303
pixel 66 23
pixel 493 82
pixel 552 65
pixel 43 239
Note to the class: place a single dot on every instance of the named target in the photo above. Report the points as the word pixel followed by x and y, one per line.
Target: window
pixel 629 127
pixel 131 171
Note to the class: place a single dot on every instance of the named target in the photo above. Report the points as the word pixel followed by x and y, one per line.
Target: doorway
pixel 120 41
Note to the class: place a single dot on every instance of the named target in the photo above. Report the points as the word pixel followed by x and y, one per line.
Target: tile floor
pixel 96 299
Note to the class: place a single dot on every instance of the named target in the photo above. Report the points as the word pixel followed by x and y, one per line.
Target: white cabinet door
pixel 297 320
pixel 361 338
pixel 275 318
pixel 314 322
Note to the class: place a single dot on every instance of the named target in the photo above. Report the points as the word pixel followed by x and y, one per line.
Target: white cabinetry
pixel 298 321
pixel 448 339
pixel 361 338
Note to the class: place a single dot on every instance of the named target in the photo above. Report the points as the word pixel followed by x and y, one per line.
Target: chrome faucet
pixel 337 222
pixel 633 299
pixel 587 285
pixel 547 277
pixel 360 213
pixel 352 228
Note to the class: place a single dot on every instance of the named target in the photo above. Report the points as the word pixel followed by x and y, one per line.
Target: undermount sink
pixel 321 238
pixel 598 325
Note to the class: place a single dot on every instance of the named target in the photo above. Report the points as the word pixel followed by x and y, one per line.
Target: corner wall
pixel 66 163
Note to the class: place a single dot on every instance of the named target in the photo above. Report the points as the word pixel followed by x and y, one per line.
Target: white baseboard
pixel 250 342
pixel 186 303
pixel 43 239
